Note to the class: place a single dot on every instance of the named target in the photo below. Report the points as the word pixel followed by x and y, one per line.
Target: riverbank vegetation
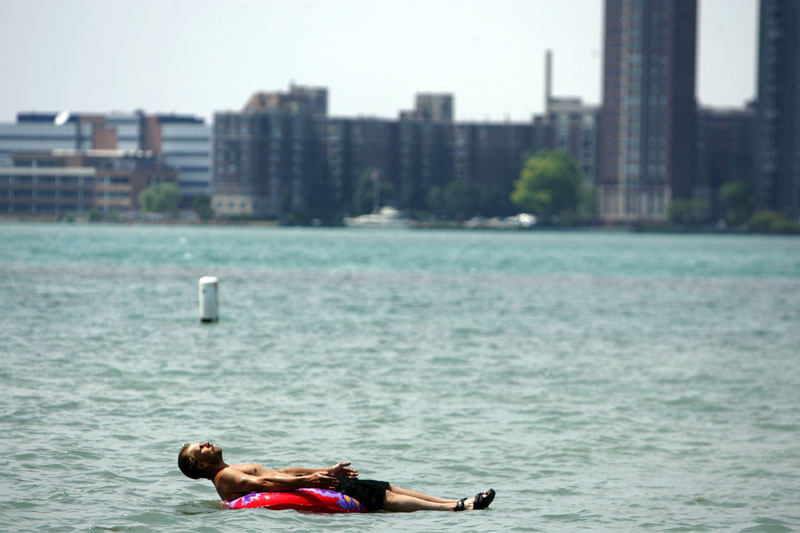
pixel 546 191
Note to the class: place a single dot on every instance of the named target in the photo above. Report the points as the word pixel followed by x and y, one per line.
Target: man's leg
pixel 419 495
pixel 403 503
pixel 403 500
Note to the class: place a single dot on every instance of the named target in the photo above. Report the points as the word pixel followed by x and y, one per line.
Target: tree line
pixel 737 201
pixel 549 185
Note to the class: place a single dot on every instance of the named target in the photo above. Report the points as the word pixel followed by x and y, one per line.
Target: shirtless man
pixel 204 460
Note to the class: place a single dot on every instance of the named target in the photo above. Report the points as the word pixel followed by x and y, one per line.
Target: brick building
pixel 648 125
pixel 182 142
pixel 65 182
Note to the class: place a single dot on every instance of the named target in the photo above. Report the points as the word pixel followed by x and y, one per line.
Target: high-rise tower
pixel 777 180
pixel 648 120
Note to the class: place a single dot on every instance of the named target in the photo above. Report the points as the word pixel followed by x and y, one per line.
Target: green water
pixel 598 381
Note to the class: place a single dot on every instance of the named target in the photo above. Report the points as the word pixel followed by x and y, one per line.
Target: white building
pixel 186 146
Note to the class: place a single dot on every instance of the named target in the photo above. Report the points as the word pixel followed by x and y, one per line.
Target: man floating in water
pixel 204 460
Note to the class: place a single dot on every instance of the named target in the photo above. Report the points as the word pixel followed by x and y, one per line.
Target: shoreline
pixel 645 228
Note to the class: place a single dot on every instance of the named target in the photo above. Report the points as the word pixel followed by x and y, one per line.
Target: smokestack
pixel 548 81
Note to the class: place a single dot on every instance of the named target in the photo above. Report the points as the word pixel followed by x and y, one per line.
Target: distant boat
pixel 386 217
pixel 520 221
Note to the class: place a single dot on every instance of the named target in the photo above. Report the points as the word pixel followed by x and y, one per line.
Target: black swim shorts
pixel 368 492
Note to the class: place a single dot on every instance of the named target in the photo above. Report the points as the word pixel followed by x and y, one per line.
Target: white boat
pixel 520 221
pixel 386 217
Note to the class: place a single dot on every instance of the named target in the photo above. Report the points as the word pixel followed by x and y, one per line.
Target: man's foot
pixel 483 499
pixel 480 501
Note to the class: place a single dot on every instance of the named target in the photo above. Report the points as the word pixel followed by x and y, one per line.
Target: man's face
pixel 204 452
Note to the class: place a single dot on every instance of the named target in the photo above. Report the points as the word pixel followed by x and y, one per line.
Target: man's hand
pixel 320 480
pixel 340 469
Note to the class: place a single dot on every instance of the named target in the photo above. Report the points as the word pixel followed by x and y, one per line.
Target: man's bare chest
pixel 253 469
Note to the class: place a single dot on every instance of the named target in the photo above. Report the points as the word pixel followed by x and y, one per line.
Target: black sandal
pixel 460 505
pixel 481 501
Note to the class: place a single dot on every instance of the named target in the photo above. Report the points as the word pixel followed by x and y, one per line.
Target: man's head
pixel 195 459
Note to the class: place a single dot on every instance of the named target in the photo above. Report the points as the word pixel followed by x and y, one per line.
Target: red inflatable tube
pixel 307 500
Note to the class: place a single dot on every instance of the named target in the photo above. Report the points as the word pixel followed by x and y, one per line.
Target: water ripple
pixel 598 398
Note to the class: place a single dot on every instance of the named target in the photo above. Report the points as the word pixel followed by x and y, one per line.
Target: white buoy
pixel 209 299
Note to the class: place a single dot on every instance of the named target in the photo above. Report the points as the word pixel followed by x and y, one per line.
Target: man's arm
pixel 236 483
pixel 339 469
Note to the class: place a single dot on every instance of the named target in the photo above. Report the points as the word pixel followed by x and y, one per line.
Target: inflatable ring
pixel 308 500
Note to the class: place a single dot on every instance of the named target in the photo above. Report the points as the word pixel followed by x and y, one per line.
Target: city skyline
pixel 490 57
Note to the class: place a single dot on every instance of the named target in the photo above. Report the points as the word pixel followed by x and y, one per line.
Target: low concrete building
pixel 77 181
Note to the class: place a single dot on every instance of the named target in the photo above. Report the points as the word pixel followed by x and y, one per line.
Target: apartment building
pixel 648 137
pixel 777 172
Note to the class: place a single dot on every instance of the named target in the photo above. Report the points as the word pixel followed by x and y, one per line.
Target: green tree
pixel 494 200
pixel 163 198
pixel 772 222
pixel 364 197
pixel 737 199
pixel 549 185
pixel 461 199
pixel 687 211
pixel 434 201
pixel 201 204
pixel 588 203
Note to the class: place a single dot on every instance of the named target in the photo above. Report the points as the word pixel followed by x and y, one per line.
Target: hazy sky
pixel 201 56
